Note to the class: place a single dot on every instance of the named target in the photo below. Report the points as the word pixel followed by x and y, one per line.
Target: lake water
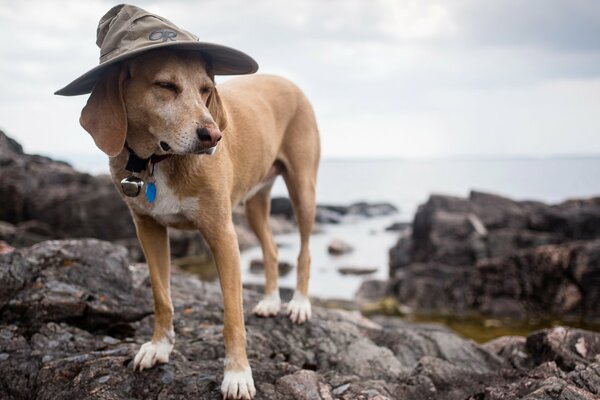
pixel 407 184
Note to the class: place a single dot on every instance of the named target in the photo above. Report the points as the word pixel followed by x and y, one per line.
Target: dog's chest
pixel 168 208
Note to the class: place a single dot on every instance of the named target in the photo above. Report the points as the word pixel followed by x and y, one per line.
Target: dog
pixel 222 146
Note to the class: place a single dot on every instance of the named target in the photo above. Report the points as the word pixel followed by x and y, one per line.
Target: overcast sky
pixel 387 78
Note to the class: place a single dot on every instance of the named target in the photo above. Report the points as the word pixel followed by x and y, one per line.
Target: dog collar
pixel 133 184
pixel 137 164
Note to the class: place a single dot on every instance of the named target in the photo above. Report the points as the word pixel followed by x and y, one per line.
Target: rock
pixel 338 247
pixel 371 290
pixel 371 209
pixel 40 285
pixel 457 231
pixel 74 204
pixel 326 216
pixel 282 206
pixel 568 347
pixel 337 354
pixel 350 270
pixel 398 226
pixel 5 248
pixel 333 213
pixel 258 267
pixel 301 385
pixel 566 274
pixel 492 255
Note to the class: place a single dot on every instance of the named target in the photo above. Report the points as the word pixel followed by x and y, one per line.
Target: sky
pixel 387 78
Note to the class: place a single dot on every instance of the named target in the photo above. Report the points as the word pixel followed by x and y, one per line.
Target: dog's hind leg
pixel 154 240
pixel 257 211
pixel 301 187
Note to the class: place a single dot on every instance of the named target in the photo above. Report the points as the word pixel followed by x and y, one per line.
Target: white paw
pixel 269 306
pixel 152 353
pixel 238 385
pixel 299 308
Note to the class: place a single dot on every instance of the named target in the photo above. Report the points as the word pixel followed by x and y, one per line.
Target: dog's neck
pixel 137 164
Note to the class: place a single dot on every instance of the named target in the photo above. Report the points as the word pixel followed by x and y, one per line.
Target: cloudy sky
pixel 387 77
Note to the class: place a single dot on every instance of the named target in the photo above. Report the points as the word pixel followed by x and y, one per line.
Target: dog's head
pixel 161 102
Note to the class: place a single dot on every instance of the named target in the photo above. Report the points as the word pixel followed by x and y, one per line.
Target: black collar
pixel 138 164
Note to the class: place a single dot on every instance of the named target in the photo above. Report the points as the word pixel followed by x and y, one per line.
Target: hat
pixel 126 31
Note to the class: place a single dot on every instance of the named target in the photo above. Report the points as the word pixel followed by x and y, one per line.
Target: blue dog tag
pixel 151 192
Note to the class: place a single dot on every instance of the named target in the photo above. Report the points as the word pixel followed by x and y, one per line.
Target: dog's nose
pixel 209 136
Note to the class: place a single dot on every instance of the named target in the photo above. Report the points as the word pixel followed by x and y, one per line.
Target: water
pixel 407 184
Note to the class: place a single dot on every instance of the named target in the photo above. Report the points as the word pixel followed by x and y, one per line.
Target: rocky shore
pixel 491 255
pixel 73 313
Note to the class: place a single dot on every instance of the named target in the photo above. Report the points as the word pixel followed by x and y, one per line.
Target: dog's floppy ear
pixel 216 109
pixel 104 115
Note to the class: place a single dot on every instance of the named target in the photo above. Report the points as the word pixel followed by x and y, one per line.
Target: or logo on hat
pixel 163 34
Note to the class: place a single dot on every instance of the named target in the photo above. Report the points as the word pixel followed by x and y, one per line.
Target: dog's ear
pixel 104 116
pixel 216 109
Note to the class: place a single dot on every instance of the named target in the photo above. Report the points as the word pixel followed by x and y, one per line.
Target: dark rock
pixel 457 231
pixel 258 267
pixel 398 226
pixel 544 282
pixel 351 270
pixel 282 206
pixel 336 355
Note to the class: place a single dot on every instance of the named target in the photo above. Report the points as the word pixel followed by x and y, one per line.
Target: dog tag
pixel 151 192
pixel 132 185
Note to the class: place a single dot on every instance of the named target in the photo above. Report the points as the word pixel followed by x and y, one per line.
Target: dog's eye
pixel 206 90
pixel 167 85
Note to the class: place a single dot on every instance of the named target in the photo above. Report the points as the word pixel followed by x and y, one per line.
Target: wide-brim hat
pixel 126 31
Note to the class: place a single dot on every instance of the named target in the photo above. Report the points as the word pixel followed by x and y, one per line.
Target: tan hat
pixel 126 31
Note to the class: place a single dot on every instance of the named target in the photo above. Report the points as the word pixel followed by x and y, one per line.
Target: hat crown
pixel 125 28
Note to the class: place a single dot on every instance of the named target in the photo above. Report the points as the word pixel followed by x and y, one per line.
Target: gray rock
pixel 336 354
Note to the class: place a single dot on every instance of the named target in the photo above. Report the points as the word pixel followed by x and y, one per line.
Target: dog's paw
pixel 152 353
pixel 299 308
pixel 269 306
pixel 238 385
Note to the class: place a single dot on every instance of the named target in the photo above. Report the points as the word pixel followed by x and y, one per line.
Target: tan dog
pixel 166 102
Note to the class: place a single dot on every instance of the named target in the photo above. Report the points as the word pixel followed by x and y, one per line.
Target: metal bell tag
pixel 132 186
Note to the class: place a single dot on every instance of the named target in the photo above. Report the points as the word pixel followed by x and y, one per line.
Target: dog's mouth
pixel 206 150
pixel 199 150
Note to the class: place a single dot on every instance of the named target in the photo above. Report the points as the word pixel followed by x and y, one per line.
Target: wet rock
pixel 338 247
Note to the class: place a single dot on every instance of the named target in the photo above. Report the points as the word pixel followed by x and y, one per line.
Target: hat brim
pixel 223 60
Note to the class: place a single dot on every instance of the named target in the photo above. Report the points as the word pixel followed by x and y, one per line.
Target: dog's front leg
pixel 222 239
pixel 154 240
